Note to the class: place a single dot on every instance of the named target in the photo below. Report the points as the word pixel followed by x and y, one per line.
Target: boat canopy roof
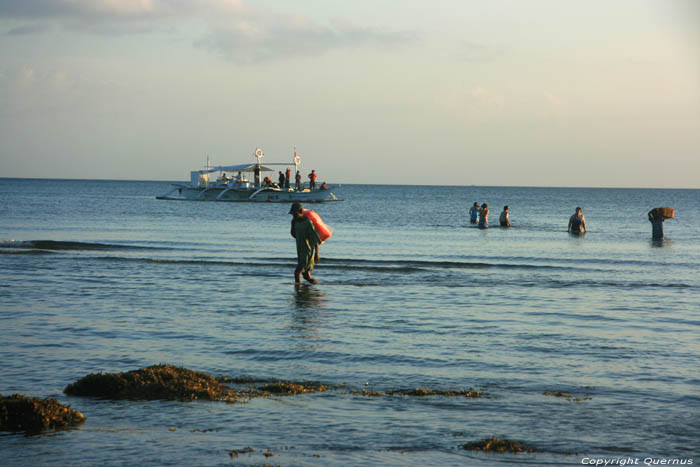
pixel 235 168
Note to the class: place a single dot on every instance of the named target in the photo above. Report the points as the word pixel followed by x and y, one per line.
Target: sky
pixel 458 92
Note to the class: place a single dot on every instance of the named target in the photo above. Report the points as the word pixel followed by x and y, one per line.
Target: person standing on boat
pixel 297 179
pixel 577 223
pixel 280 179
pixel 312 180
pixel 484 216
pixel 308 241
pixel 257 176
pixel 287 176
pixel 504 220
pixel 474 213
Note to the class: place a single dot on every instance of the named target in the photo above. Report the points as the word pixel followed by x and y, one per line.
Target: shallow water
pixel 101 276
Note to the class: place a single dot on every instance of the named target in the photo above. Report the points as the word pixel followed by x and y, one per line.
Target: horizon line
pixel 375 184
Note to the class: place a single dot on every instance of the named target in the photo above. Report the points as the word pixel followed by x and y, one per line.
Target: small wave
pixel 619 284
pixel 418 265
pixel 9 251
pixel 68 245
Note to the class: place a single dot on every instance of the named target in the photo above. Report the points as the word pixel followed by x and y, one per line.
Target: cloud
pixel 115 10
pixel 233 30
pixel 554 104
pixel 487 100
pixel 262 37
pixel 476 52
pixel 28 29
pixel 116 17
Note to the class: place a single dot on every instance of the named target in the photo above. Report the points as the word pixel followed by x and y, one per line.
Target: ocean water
pixel 100 276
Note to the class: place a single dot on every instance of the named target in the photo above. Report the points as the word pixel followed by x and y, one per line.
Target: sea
pixel 585 349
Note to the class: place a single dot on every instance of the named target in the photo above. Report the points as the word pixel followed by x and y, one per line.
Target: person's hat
pixel 296 207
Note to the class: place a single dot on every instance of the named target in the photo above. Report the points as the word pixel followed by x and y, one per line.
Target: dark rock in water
pixel 158 382
pixel 32 415
pixel 497 445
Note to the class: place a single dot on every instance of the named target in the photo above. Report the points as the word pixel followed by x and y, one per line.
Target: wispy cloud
pixel 261 37
pixel 234 30
pixel 28 29
pixel 477 52
pixel 487 100
pixel 115 10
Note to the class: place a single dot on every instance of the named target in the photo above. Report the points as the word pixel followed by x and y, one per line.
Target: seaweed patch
pixel 245 450
pixel 32 415
pixel 158 382
pixel 290 388
pixel 421 392
pixel 494 444
pixel 566 396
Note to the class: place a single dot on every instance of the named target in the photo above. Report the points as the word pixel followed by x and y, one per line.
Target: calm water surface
pixel 101 276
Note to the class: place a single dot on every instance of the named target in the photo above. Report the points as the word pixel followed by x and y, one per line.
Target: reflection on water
pixel 307 301
pixel 308 297
pixel 661 242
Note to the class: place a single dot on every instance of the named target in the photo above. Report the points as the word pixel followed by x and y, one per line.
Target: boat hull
pixel 265 195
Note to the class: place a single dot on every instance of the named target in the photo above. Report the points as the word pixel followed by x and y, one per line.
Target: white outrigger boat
pixel 239 187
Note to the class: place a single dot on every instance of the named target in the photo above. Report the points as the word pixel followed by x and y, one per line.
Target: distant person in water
pixel 657 216
pixel 474 213
pixel 504 219
pixel 577 223
pixel 308 242
pixel 484 216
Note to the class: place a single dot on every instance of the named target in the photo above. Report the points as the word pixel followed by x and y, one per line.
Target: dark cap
pixel 296 207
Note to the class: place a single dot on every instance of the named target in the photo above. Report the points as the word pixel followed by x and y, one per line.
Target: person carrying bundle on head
pixel 657 216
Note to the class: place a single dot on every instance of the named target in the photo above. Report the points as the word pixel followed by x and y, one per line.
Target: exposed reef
pixel 32 415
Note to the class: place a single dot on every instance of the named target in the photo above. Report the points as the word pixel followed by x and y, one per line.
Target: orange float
pixel 324 232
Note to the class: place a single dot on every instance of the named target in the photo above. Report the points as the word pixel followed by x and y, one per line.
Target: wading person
pixel 474 213
pixel 504 219
pixel 657 216
pixel 308 242
pixel 484 216
pixel 577 223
